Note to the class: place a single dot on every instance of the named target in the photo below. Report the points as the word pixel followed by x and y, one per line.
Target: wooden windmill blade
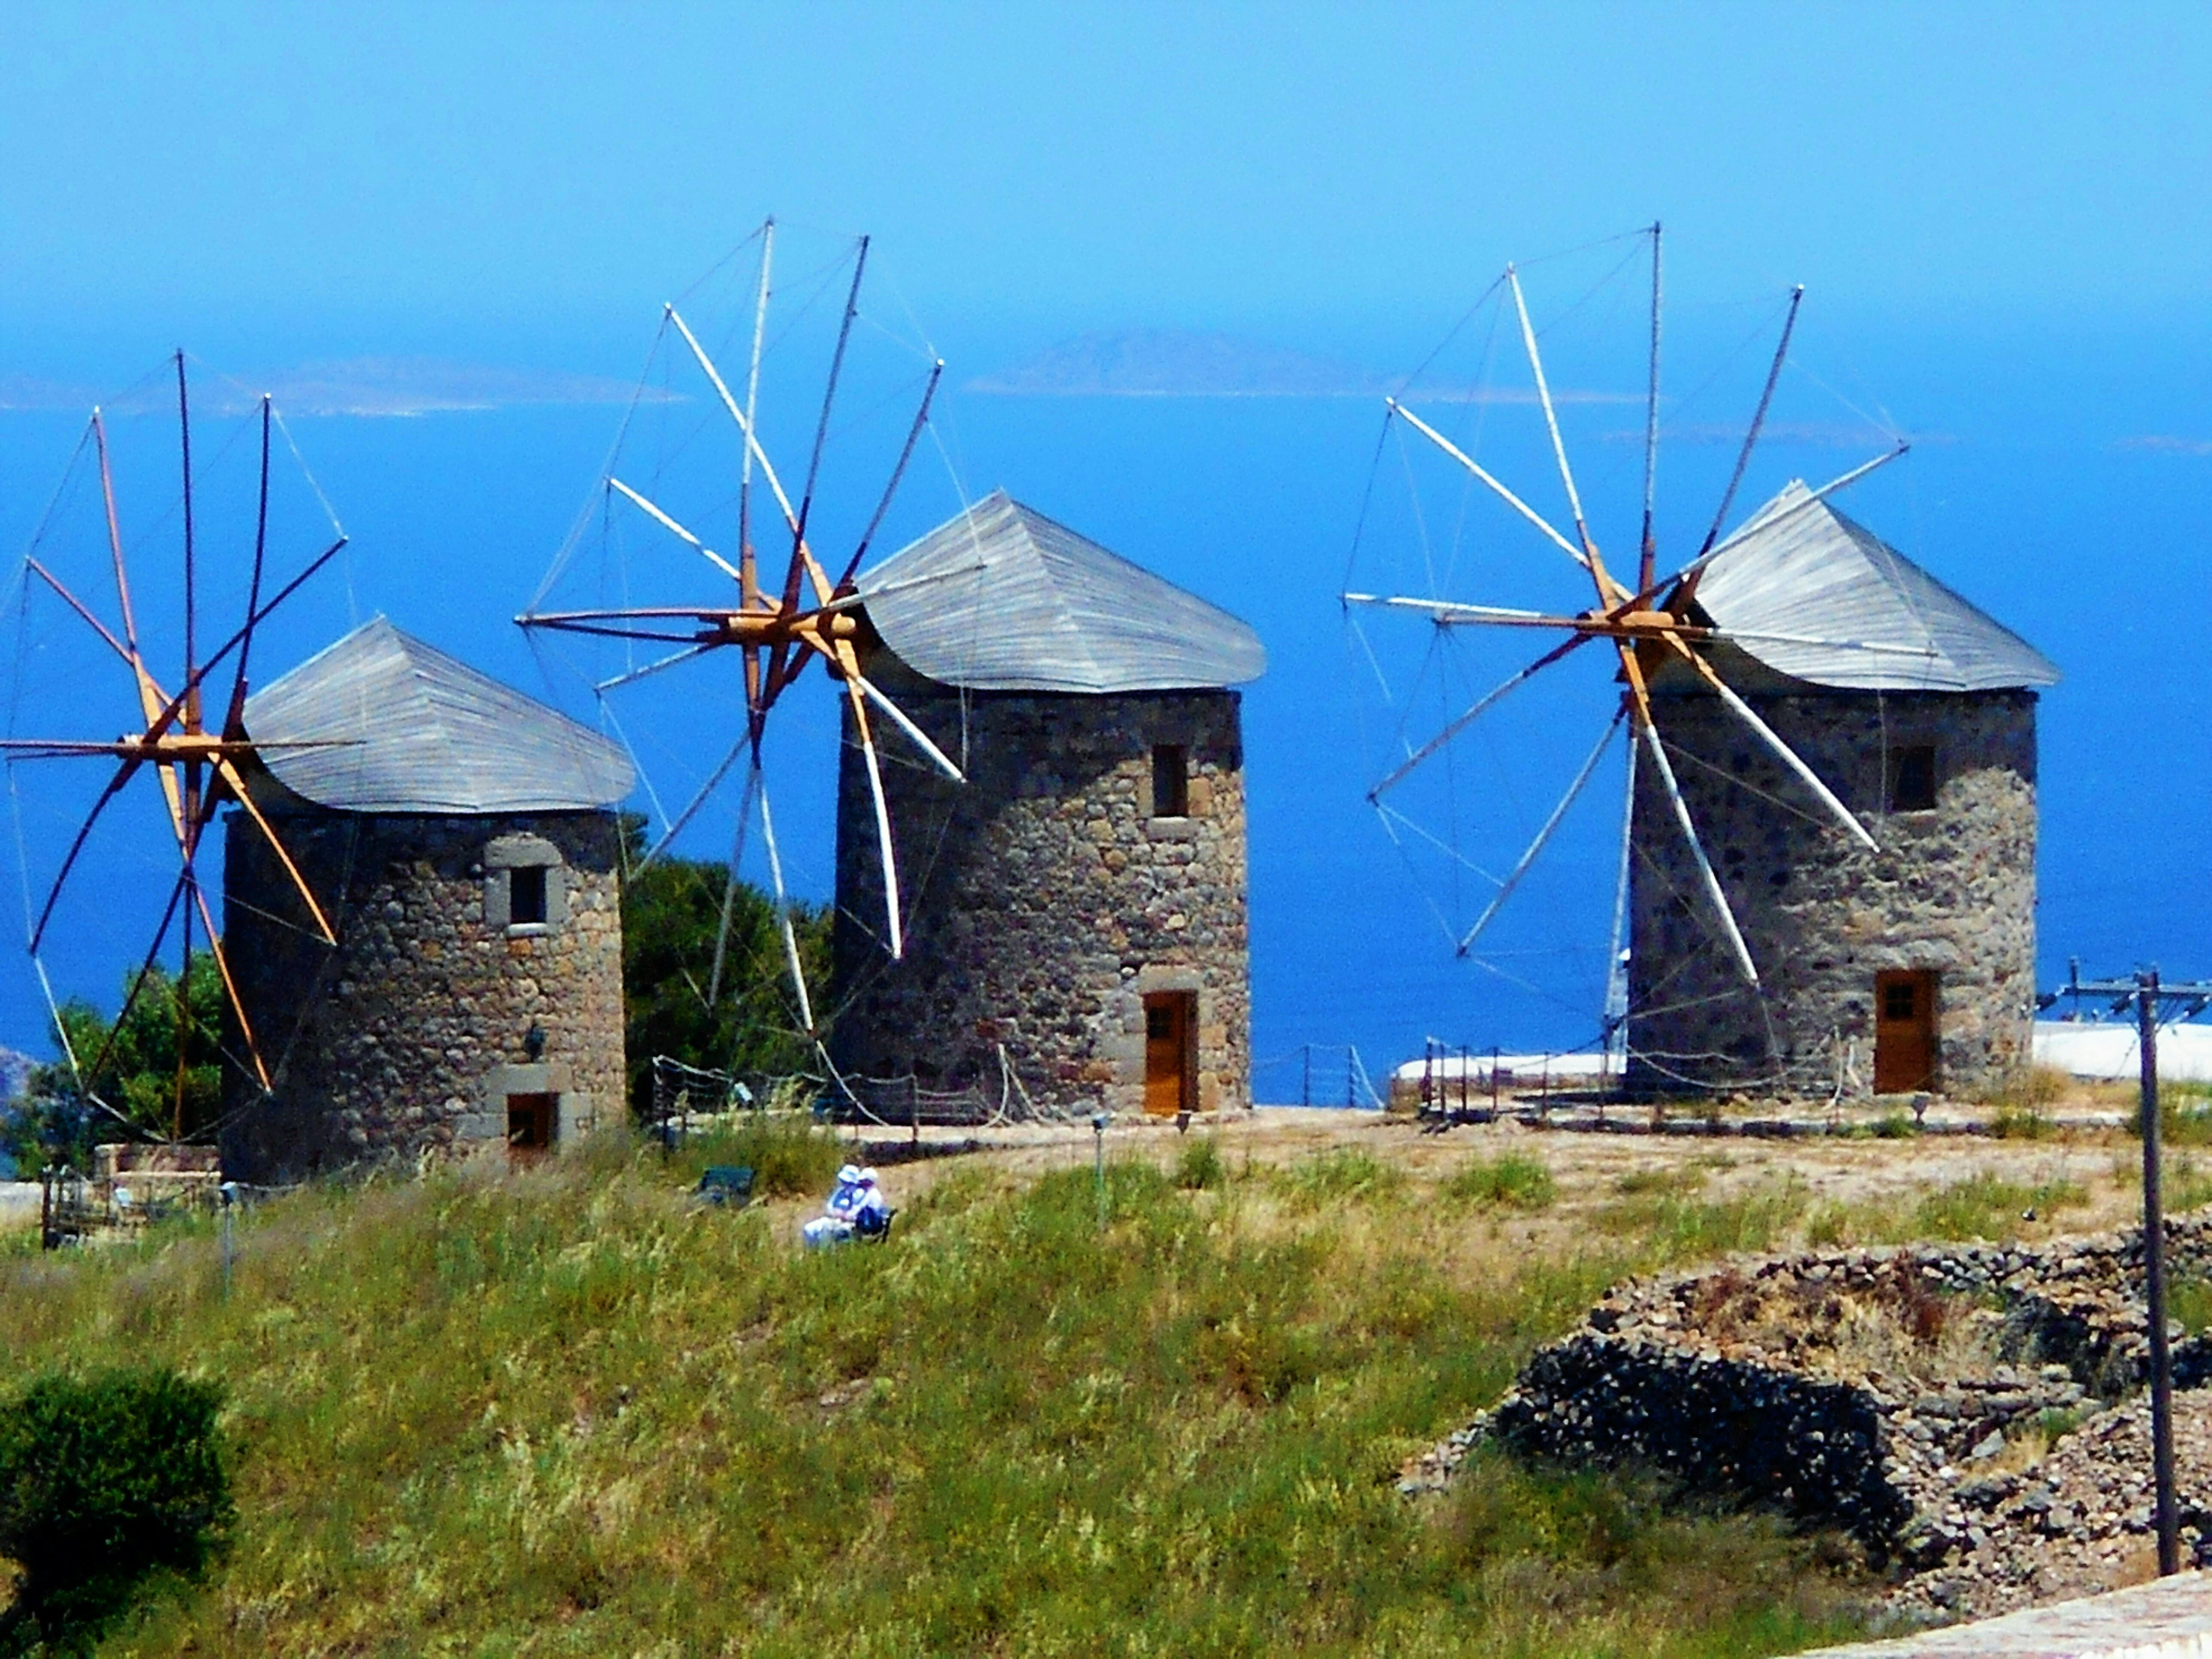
pixel 199 770
pixel 777 628
pixel 1657 624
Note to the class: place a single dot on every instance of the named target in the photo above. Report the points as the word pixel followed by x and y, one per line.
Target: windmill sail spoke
pixel 653 668
pixel 84 833
pixel 681 820
pixel 1616 967
pixel 82 610
pixel 115 537
pixel 884 846
pixel 783 908
pixel 1730 932
pixel 1782 751
pixel 1647 552
pixel 822 432
pixel 676 529
pixel 230 985
pixel 88 1080
pixel 233 721
pixel 898 472
pixel 1469 716
pixel 191 578
pixel 1758 421
pixel 1543 837
pixel 1559 444
pixel 920 739
pixel 745 424
pixel 730 887
pixel 748 576
pixel 1483 477
pixel 236 784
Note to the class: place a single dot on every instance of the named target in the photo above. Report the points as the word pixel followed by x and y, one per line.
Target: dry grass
pixel 566 1412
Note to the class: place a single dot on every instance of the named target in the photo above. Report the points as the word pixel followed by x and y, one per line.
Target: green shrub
pixel 1199 1167
pixel 105 1480
pixel 1896 1125
pixel 1513 1179
pixel 1340 1174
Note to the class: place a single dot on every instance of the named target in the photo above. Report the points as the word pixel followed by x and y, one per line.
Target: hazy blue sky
pixel 1999 214
pixel 367 177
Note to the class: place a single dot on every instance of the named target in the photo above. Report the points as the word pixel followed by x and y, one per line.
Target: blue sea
pixel 2062 479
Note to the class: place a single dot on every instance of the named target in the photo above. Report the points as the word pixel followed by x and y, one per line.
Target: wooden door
pixel 530 1120
pixel 1171 1026
pixel 1903 1032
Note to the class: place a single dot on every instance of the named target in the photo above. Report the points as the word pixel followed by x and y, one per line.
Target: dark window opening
pixel 1897 998
pixel 1171 781
pixel 525 894
pixel 1159 1023
pixel 1913 778
pixel 529 1122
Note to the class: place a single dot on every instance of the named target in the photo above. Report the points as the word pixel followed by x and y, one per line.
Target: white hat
pixel 868 1177
pixel 849 1175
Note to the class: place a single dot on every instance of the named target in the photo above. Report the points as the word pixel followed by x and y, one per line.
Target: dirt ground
pixel 1595 1172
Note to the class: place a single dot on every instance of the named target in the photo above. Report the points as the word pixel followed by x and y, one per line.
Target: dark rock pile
pixel 1906 1397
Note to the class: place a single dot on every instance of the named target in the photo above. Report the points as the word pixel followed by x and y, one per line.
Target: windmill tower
pixel 1079 905
pixel 1813 727
pixel 1906 967
pixel 463 839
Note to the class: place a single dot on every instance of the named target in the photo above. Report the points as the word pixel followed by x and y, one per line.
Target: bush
pixel 105 1480
pixel 1513 1179
pixel 1199 1167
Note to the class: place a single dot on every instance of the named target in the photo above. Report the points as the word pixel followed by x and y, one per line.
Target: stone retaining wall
pixel 1657 1377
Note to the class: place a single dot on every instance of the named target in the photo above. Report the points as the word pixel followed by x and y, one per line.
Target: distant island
pixel 1165 362
pixel 1173 362
pixel 370 387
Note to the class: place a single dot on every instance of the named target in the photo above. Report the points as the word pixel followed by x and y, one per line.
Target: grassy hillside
pixel 566 1413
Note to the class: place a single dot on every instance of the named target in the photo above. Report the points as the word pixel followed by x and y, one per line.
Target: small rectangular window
pixel 1171 781
pixel 525 894
pixel 1913 778
pixel 1897 1000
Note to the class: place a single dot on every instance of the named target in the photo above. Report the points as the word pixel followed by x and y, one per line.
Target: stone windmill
pixel 197 766
pixel 1079 931
pixel 1817 687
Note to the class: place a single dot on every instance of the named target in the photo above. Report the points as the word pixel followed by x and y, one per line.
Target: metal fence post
pixel 2161 1361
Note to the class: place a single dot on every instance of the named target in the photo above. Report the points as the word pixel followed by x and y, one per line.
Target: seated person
pixel 854 1199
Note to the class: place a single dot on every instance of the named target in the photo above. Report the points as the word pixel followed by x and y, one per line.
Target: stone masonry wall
pixel 407 1037
pixel 1043 899
pixel 1951 890
pixel 1668 1372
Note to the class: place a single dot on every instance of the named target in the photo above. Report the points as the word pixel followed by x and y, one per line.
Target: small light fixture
pixel 534 1039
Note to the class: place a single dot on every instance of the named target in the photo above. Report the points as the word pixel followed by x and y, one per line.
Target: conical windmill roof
pixel 418 731
pixel 1002 598
pixel 1811 594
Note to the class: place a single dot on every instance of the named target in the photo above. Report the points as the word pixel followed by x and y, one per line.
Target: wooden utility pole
pixel 2146 991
